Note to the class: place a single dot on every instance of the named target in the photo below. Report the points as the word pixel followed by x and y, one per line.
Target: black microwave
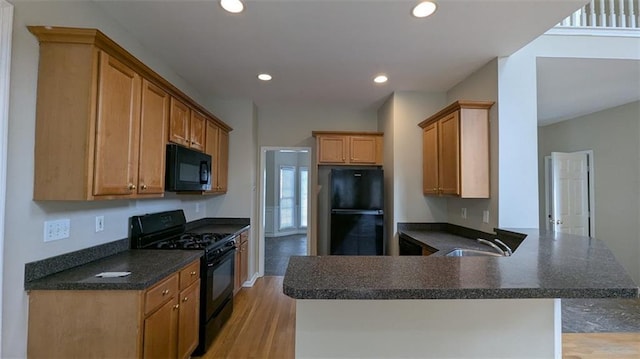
pixel 187 170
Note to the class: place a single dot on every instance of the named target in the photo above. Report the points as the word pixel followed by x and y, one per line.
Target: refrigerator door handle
pixel 357 211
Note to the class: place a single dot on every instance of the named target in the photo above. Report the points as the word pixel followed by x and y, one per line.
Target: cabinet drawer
pixel 189 274
pixel 160 293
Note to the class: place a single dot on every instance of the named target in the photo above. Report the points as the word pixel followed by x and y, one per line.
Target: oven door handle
pixel 221 259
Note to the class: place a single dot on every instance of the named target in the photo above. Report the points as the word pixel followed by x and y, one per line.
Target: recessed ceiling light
pixel 380 79
pixel 232 6
pixel 424 9
pixel 265 77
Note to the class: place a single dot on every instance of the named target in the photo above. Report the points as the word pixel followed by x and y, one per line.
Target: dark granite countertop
pixel 146 266
pixel 545 265
pixel 219 225
pixel 77 270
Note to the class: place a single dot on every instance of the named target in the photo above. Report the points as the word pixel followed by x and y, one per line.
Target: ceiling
pixel 570 87
pixel 328 51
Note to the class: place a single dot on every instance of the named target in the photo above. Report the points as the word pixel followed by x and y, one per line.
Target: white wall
pixel 614 137
pixel 241 197
pixel 482 85
pixel 290 125
pixel 24 217
pixel 409 205
pixel 385 125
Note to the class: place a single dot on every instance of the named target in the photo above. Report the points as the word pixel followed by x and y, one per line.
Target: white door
pixel 570 211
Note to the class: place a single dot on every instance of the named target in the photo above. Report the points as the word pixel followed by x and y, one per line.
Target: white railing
pixel 619 14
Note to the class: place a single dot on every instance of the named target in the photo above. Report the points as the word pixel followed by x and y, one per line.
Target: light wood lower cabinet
pixel 160 322
pixel 241 270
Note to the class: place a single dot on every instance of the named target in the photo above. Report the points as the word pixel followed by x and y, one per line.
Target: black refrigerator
pixel 357 216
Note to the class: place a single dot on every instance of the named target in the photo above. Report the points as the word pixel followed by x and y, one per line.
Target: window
pixel 304 176
pixel 287 196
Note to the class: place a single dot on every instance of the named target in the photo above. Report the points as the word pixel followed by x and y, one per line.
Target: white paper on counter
pixel 112 274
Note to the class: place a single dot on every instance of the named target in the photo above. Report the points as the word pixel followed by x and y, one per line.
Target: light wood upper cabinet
pixel 363 149
pixel 217 146
pixel 186 126
pixel 103 119
pixel 455 150
pixel 332 148
pixel 117 129
pixel 197 128
pixel 154 117
pixel 430 159
pixel 349 148
pixel 179 122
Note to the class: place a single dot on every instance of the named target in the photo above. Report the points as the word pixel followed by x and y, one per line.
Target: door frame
pixel 591 191
pixel 262 202
pixel 6 30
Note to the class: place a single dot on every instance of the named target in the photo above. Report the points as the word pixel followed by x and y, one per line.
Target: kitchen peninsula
pixel 408 306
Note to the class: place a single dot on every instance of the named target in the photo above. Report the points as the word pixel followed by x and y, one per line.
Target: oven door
pixel 219 283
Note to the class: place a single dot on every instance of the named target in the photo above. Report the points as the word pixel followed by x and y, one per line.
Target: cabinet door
pixel 223 161
pixel 362 149
pixel 237 283
pixel 449 154
pixel 161 331
pixel 153 123
pixel 179 123
pixel 244 261
pixel 430 159
pixel 211 148
pixel 197 131
pixel 117 129
pixel 188 320
pixel 332 149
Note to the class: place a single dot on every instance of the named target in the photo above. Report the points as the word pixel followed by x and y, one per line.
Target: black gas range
pixel 167 231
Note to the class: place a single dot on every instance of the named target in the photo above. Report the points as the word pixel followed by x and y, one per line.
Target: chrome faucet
pixel 508 252
pixel 492 245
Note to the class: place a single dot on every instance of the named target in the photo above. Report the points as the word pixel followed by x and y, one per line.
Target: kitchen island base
pixel 439 328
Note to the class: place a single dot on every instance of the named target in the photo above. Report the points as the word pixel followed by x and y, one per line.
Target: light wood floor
pixel 263 326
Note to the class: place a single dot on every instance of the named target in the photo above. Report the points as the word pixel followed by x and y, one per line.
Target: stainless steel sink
pixel 460 252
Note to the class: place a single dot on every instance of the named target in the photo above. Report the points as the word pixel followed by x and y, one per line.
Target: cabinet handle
pixel 175 307
pixel 435 189
pixel 165 292
pixel 132 186
pixel 193 273
pixel 143 187
pixel 185 299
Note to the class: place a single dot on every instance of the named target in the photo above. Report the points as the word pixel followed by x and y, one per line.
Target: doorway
pixel 569 193
pixel 284 218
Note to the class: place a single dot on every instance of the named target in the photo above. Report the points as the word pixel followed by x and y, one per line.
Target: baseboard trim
pixel 251 281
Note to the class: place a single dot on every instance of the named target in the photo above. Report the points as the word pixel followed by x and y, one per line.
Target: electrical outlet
pixel 463 213
pixel 99 223
pixel 54 230
pixel 485 216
